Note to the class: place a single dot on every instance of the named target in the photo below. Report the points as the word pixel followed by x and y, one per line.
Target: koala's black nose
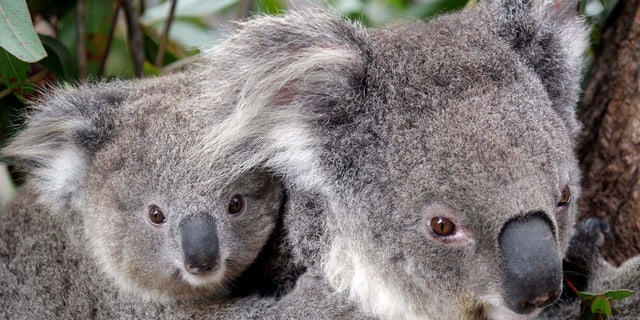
pixel 531 264
pixel 200 244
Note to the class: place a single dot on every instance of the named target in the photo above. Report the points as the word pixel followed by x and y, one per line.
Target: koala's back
pixel 40 272
pixel 29 246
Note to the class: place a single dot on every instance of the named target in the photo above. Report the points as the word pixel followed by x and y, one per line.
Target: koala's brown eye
pixel 565 199
pixel 442 226
pixel 236 204
pixel 155 215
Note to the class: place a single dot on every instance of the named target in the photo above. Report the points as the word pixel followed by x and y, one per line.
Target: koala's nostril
pixel 201 269
pixel 526 306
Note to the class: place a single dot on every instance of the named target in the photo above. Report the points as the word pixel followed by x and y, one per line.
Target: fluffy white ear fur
pixel 272 108
pixel 273 122
pixel 58 182
pixel 48 151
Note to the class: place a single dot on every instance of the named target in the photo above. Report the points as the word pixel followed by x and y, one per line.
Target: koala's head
pixel 111 161
pixel 444 150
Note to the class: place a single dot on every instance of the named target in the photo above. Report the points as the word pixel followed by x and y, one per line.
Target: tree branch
pixel 244 8
pixel 165 34
pixel 82 41
pixel 114 21
pixel 135 36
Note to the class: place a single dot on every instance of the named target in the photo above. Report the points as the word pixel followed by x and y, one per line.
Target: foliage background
pixel 89 40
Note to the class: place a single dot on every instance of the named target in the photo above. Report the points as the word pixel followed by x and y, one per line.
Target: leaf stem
pixel 573 288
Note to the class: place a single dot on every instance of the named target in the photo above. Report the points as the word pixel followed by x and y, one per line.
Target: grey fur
pixel 469 116
pixel 78 240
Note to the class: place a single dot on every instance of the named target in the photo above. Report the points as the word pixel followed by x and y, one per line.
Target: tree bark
pixel 610 149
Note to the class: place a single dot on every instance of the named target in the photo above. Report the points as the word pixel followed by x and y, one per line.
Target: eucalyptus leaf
pixel 594 8
pixel 271 6
pixel 586 295
pixel 601 305
pixel 14 73
pixel 59 59
pixel 18 35
pixel 618 294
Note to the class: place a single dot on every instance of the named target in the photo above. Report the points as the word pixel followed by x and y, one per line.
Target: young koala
pixel 431 164
pixel 114 207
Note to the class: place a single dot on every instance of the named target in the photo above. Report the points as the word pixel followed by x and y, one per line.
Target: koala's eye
pixel 442 226
pixel 236 204
pixel 155 215
pixel 565 199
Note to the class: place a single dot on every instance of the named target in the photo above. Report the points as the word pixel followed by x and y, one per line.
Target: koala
pixel 432 164
pixel 113 208
pixel 589 271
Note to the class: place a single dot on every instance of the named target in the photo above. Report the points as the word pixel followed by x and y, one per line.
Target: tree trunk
pixel 610 150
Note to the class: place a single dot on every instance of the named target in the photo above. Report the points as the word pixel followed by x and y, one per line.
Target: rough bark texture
pixel 610 151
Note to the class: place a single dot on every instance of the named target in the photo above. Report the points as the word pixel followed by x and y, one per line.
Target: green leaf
pixel 601 305
pixel 270 6
pixel 586 295
pixel 618 294
pixel 150 69
pixel 593 8
pixel 18 35
pixel 14 73
pixel 58 59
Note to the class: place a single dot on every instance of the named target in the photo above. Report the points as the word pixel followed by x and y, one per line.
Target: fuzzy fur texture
pixel 97 158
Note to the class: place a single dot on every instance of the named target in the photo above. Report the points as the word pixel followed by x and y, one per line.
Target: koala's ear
pixel 277 75
pixel 309 54
pixel 65 128
pixel 551 39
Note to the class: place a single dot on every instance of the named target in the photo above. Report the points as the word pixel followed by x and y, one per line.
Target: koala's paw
pixel 589 238
pixel 592 232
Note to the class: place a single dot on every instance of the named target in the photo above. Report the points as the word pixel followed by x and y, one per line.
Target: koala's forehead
pixel 149 140
pixel 446 55
pixel 464 114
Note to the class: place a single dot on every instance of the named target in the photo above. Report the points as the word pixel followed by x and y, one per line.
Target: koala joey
pixel 589 271
pixel 438 156
pixel 112 197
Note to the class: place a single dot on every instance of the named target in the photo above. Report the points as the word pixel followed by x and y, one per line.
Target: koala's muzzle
pixel 200 244
pixel 531 264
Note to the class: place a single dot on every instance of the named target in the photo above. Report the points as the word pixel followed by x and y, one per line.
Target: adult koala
pixel 430 165
pixel 114 215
